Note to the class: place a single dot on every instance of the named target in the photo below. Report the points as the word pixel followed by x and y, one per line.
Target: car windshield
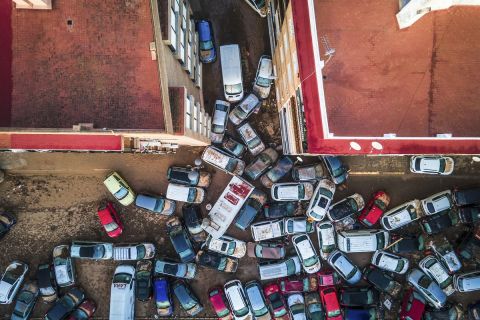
pixel 122 278
pixel 276 300
pixel 334 313
pixel 254 142
pixel 290 267
pixel 380 240
pixel 141 252
pixel 121 193
pixel 109 227
pixel 163 304
pixel 424 282
pixel 206 45
pixel 310 261
pixel 97 251
pixel 233 89
pixel 263 82
pixel 170 268
pixel 159 204
pixel 441 165
pixel 260 163
pixel 192 193
pixel 400 265
pixel 181 245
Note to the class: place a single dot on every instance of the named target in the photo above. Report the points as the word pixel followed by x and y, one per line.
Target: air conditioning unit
pixel 389 135
pixel 444 135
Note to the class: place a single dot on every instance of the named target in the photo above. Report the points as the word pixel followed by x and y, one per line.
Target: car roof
pixel 204 30
pixel 105 216
pixel 161 289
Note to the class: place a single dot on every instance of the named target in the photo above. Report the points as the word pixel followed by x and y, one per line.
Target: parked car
pixel 176 269
pixel 217 261
pixel 84 311
pixel 314 306
pixel 251 139
pixel 306 252
pixel 292 191
pixel 308 172
pixel 407 243
pixel 265 250
pixel 413 306
pixel 276 301
pixel 308 283
pixel 345 268
pixel 180 240
pixel 358 297
pixel 206 43
pixel 297 225
pixel 279 170
pixel 227 246
pixel 432 293
pixel 250 209
pixel 432 267
pixel 360 313
pixel 469 214
pixel 279 269
pixel 219 120
pixel 46 282
pixel 328 278
pixel 264 77
pixel 330 303
pixel 469 247
pixel 219 303
pixel 321 200
pixel 266 230
pixel 261 163
pixel 345 207
pixel 237 301
pixel 474 311
pixel 467 282
pixel 231 66
pixel 244 109
pixel 7 221
pixel 110 220
pixel 449 311
pixel 66 304
pixel 401 216
pixel 119 189
pixel 326 238
pixel 374 209
pixel 223 161
pixel 382 281
pixel 260 6
pixel 296 306
pixel 338 172
pixel 143 285
pixel 187 299
pixel 467 197
pixel 133 251
pixel 91 250
pixel 438 202
pixel 163 297
pixel 189 177
pixel 431 165
pixel 390 262
pixel 258 305
pixel 445 252
pixel 282 209
pixel 63 266
pixel 182 193
pixel 26 300
pixel 155 204
pixel 439 222
pixel 233 147
pixel 122 293
pixel 367 240
pixel 192 215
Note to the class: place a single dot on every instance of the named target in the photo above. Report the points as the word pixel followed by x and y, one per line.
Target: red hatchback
pixel 217 299
pixel 110 220
pixel 330 302
pixel 413 306
pixel 84 311
pixel 277 303
pixel 307 283
pixel 374 209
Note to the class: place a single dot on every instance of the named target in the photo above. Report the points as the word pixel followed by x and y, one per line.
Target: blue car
pixel 206 42
pixel 250 209
pixel 360 314
pixel 337 170
pixel 163 297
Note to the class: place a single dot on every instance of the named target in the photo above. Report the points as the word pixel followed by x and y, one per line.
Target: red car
pixel 277 302
pixel 308 283
pixel 330 303
pixel 328 278
pixel 84 311
pixel 110 220
pixel 218 301
pixel 374 209
pixel 413 306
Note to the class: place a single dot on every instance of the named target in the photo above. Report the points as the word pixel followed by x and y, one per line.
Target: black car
pixel 448 312
pixel 382 281
pixel 439 222
pixel 346 208
pixel 192 215
pixel 187 299
pixel 180 240
pixel 233 147
pixel 66 304
pixel 282 209
pixel 358 297
pixel 46 282
pixel 469 214
pixel 407 243
pixel 217 261
pixel 469 247
pixel 7 221
pixel 26 299
pixel 143 285
pixel 474 311
pixel 189 177
pixel 467 197
pixel 250 209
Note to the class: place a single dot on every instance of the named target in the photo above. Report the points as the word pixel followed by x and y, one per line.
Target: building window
pixel 195 117
pixel 188 113
pixel 173 27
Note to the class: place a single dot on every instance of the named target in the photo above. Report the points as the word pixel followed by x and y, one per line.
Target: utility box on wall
pixel 33 4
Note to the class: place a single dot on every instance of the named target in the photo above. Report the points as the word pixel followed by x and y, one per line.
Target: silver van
pixel 275 269
pixel 122 294
pixel 231 63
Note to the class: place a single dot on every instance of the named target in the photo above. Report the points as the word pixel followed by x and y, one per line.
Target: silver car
pixel 427 288
pixel 402 215
pixel 219 121
pixel 63 266
pixel 321 200
pixel 306 252
pixel 12 280
pixel 435 270
pixel 176 269
pixel 344 267
pixel 251 138
pixel 326 238
pixel 244 109
pixel 263 78
pixel 468 281
pixel 91 250
pixel 390 262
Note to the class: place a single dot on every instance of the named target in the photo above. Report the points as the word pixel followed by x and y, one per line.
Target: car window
pixel 122 278
pixel 184 297
pixel 263 82
pixel 109 227
pixel 192 193
pixel 233 89
pixel 206 45
pixel 121 193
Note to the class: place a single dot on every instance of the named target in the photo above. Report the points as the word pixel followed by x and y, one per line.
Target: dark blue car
pixel 337 170
pixel 250 209
pixel 163 297
pixel 360 314
pixel 206 42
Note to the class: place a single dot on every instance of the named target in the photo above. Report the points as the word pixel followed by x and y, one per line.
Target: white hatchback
pixel 292 191
pixel 438 202
pixel 432 165
pixel 390 262
pixel 237 300
pixel 263 78
pixel 401 216
pixel 227 245
pixel 321 200
pixel 306 252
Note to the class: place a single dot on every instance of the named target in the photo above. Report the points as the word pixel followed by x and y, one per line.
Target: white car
pixel 321 200
pixel 122 293
pixel 237 300
pixel 427 288
pixel 297 225
pixel 263 78
pixel 390 262
pixel 265 230
pixel 12 280
pixel 227 245
pixel 219 121
pixel 251 139
pixel 468 281
pixel 432 267
pixel 306 252
pixel 326 238
pixel 63 266
pixel 432 165
pixel 401 216
pixel 292 191
pixel 279 269
pixel 296 306
pixel 366 240
pixel 187 194
pixel 347 270
pixel 91 250
pixel 437 203
pixel 134 251
pixel 445 252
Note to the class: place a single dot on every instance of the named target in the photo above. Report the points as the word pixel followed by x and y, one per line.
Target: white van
pixel 231 72
pixel 122 294
pixel 363 240
pixel 274 269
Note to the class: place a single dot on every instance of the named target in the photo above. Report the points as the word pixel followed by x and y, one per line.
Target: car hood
pixel 4 290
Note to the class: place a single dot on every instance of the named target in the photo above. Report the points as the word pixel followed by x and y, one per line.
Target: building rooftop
pixel 83 62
